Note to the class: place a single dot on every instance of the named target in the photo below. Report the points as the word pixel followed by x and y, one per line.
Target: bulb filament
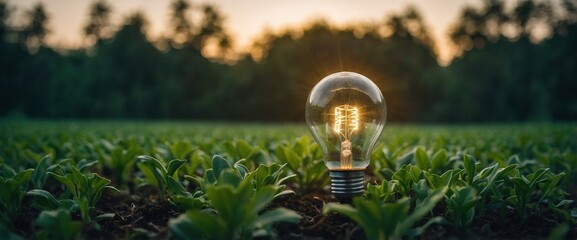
pixel 346 123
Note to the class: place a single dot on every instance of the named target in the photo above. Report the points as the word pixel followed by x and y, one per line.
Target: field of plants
pixel 170 180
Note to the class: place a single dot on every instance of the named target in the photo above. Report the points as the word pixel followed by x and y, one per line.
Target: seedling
pixel 526 187
pixel 163 178
pixel 306 162
pixel 86 189
pixel 236 219
pixel 405 177
pixel 13 188
pixel 461 206
pixel 57 224
pixel 382 220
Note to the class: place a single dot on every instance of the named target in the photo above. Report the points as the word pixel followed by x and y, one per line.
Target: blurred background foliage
pixel 504 70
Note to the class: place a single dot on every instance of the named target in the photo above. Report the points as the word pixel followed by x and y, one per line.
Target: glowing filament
pixel 346 123
pixel 346 120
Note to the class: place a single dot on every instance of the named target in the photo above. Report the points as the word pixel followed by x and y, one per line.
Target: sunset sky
pixel 246 20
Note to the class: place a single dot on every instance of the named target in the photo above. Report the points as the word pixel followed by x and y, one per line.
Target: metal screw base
pixel 346 184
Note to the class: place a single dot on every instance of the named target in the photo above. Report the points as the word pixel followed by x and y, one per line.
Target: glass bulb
pixel 346 113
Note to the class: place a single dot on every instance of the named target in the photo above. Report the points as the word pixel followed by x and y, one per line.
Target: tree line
pixel 515 63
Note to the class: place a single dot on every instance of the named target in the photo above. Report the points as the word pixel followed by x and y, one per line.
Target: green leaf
pixel 209 176
pixel 242 170
pixel 244 149
pixel 470 168
pixel 150 173
pixel 57 224
pixel 39 174
pixel 23 177
pixel 180 150
pixel 439 160
pixel 395 214
pixel 261 198
pixel 421 189
pixel 43 199
pixel 461 206
pixel 229 177
pixel 344 209
pixel 198 225
pixel 104 216
pixel 154 162
pixel 434 180
pixel 219 164
pixel 176 187
pixel 287 155
pixel 174 165
pixel 496 175
pixel 185 202
pixel 276 215
pixel 422 209
pixel 422 159
pixel 84 164
pixel 71 187
pixel 406 159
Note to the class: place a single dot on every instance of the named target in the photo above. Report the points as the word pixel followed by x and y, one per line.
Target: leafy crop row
pixel 222 178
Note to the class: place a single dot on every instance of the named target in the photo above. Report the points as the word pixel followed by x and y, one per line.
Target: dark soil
pixel 142 216
pixel 313 223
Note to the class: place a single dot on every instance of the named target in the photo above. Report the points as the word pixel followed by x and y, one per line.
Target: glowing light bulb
pixel 346 113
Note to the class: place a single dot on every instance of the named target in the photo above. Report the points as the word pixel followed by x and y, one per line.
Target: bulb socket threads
pixel 346 184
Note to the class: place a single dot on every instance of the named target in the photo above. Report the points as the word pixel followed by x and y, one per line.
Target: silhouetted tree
pixel 212 30
pixel 181 23
pixel 4 15
pixel 36 29
pixel 13 61
pixel 509 77
pixel 509 69
pixel 124 77
pixel 98 25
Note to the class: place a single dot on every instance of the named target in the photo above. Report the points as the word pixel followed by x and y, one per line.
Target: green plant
pixel 121 158
pixel 252 156
pixel 86 189
pixel 13 188
pixel 197 159
pixel 46 201
pixel 526 187
pixel 384 161
pixel 163 178
pixel 39 175
pixel 383 192
pixel 461 206
pixel 305 160
pixel 57 224
pixel 264 176
pixel 218 167
pixel 271 175
pixel 382 220
pixel 447 179
pixel 237 204
pixel 405 177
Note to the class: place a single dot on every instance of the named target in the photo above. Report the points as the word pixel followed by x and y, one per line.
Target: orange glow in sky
pixel 246 20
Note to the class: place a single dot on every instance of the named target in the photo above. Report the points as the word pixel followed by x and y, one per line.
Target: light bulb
pixel 346 113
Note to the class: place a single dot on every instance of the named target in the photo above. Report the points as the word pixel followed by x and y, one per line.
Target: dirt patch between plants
pixel 143 216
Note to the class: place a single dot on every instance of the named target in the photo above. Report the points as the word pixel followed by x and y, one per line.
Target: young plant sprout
pixel 346 113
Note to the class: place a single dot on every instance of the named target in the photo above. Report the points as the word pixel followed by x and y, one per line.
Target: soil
pixel 143 216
